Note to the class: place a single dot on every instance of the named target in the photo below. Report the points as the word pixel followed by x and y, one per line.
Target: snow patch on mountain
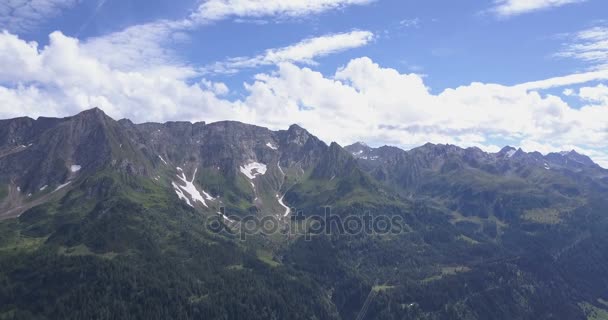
pixel 190 189
pixel 163 160
pixel 373 158
pixel 253 170
pixel 358 153
pixel 271 146
pixel 75 168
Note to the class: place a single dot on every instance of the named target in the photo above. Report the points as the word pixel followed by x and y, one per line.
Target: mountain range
pixel 105 219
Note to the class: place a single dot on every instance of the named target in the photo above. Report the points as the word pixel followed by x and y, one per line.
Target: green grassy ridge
pixel 156 259
pixel 473 192
pixel 313 193
pixel 235 192
pixel 130 230
pixel 14 241
pixel 593 312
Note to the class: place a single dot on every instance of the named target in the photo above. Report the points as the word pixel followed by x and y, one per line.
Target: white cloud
pixel 366 102
pixel 507 8
pixel 304 52
pixel 410 23
pixel 145 46
pixel 26 15
pixel 140 47
pixel 596 95
pixel 361 101
pixel 219 88
pixel 214 10
pixel 590 46
pixel 64 78
pixel 600 157
pixel 571 79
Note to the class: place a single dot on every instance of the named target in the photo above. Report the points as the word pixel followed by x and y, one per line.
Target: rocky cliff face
pixel 245 166
pixel 248 168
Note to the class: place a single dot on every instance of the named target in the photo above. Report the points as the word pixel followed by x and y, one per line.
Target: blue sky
pixel 530 73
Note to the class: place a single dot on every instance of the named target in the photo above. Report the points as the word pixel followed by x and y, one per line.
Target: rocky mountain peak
pixel 335 162
pixel 359 150
pixel 571 159
pixel 297 135
pixel 93 114
pixel 507 151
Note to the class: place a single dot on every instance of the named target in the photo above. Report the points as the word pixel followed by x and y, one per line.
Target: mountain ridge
pixel 360 144
pixel 91 140
pixel 104 213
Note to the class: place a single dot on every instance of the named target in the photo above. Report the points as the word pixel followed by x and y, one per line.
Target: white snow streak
pixel 271 146
pixel 287 209
pixel 75 168
pixel 207 196
pixel 180 194
pixel 62 186
pixel 191 189
pixel 225 217
pixel 163 160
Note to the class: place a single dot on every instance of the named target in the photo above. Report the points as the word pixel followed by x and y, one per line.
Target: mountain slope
pixel 145 221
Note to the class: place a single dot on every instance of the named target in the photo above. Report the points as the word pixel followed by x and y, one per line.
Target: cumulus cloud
pixel 361 101
pixel 26 15
pixel 305 52
pixel 219 88
pixel 63 78
pixel 214 10
pixel 597 95
pixel 507 8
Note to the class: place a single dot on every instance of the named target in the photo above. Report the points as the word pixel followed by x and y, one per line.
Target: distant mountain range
pixel 108 219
